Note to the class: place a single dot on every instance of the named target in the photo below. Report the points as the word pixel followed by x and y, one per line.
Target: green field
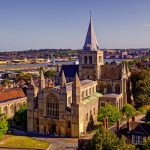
pixel 22 142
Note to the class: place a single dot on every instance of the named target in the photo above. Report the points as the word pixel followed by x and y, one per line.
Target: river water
pixel 46 64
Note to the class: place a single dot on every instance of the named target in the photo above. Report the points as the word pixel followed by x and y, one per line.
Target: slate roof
pixel 136 128
pixel 69 70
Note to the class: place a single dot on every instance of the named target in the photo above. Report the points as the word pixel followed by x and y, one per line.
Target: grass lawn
pixel 22 142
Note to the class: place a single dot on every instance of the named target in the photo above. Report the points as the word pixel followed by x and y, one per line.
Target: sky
pixel 36 24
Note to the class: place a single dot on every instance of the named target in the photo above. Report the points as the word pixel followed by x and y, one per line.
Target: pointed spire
pixel 76 82
pixel 32 82
pixel 123 69
pixel 42 80
pixel 91 43
pixel 63 79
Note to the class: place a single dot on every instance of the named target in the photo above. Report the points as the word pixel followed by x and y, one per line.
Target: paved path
pixel 62 143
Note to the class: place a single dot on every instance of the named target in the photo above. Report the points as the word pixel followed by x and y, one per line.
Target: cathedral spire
pixel 32 82
pixel 91 43
pixel 63 79
pixel 76 82
pixel 42 80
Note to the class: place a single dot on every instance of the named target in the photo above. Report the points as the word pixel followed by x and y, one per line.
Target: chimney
pixel 104 123
pixel 128 125
pixel 118 125
pixel 133 118
pixel 106 119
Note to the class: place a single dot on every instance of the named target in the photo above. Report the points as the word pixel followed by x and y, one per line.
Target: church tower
pixel 90 58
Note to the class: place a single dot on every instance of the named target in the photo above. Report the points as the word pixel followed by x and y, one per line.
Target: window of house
pixel 109 88
pixel 103 104
pixel 134 139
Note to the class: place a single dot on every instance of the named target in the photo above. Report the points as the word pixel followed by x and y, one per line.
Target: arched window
pixel 117 88
pixel 100 58
pixel 85 59
pixel 87 116
pixel 90 59
pixel 109 89
pixel 5 110
pixel 52 106
pixel 86 92
pixel 12 109
pixel 18 106
pixel 90 91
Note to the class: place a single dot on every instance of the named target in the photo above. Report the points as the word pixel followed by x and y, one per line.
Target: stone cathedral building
pixel 70 108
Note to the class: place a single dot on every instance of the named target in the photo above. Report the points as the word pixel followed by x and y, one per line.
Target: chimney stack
pixel 128 125
pixel 118 125
pixel 106 122
pixel 133 118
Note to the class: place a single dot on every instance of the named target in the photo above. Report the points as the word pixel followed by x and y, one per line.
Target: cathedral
pixel 70 108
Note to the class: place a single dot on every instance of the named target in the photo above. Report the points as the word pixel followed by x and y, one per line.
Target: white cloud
pixel 146 25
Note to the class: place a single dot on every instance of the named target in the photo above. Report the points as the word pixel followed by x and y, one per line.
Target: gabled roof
pixel 91 43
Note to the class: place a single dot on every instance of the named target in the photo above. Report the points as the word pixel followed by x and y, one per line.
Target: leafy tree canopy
pixel 128 110
pixel 111 112
pixel 106 140
pixel 3 124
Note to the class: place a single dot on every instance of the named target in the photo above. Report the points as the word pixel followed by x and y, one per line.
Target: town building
pixel 70 108
pixel 11 100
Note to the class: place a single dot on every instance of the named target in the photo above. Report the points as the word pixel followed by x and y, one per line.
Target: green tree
pixel 20 118
pixel 106 140
pixel 128 110
pixel 3 124
pixel 111 112
pixel 146 145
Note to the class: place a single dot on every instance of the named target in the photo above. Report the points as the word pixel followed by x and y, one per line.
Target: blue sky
pixel 35 24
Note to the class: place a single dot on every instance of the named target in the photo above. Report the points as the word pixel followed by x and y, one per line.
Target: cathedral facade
pixel 71 107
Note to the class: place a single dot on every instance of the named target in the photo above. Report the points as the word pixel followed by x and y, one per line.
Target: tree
pixel 111 112
pixel 3 124
pixel 146 145
pixel 128 110
pixel 50 73
pixel 106 140
pixel 147 115
pixel 20 118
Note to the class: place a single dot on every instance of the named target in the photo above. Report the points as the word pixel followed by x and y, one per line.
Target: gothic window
pixel 69 101
pixel 109 89
pixel 94 111
pixel 86 116
pixel 90 59
pixel 52 106
pixel 100 58
pixel 101 88
pixel 117 89
pixel 82 94
pixel 69 124
pixel 85 59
